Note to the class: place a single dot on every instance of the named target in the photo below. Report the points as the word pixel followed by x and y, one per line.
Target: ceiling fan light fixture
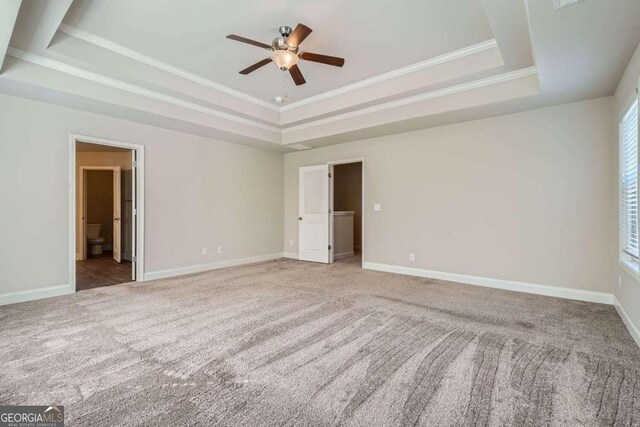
pixel 284 59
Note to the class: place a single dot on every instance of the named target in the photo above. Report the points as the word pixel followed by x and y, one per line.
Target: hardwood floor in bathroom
pixel 100 271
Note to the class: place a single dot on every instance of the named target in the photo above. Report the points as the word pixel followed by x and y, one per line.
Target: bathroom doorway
pixel 107 225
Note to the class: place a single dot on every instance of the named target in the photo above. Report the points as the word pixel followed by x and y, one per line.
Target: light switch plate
pixel 377 207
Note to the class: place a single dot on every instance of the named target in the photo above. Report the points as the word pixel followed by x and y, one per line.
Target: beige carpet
pixel 294 343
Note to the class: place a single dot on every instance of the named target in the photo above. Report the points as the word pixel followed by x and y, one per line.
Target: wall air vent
pixel 559 4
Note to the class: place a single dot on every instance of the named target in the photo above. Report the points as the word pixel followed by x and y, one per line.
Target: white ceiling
pixel 409 65
pixel 373 36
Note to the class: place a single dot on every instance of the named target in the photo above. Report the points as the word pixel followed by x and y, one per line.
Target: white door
pixel 117 223
pixel 313 214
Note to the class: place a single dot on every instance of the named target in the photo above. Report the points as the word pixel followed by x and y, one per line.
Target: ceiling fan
pixel 285 52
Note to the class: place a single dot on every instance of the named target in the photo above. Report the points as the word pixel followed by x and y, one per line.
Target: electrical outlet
pixel 412 257
pixel 377 207
pixel 205 251
pixel 290 242
pixel 219 249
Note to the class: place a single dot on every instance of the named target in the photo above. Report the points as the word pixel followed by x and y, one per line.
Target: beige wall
pixel 347 195
pixel 628 290
pixel 198 192
pixel 524 197
pixel 90 158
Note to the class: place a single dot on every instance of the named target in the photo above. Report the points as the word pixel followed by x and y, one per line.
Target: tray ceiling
pixel 409 65
pixel 374 36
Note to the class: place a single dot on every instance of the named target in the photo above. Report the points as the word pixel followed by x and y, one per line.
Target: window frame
pixel 630 263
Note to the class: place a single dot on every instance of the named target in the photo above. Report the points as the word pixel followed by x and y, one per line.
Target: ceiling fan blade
pixel 255 66
pixel 298 35
pixel 323 59
pixel 297 75
pixel 248 41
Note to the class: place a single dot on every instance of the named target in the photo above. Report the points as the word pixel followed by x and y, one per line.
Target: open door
pixel 313 214
pixel 117 223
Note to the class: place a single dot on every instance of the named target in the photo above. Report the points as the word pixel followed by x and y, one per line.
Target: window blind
pixel 629 170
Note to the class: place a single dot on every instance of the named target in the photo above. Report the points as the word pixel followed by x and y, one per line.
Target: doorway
pixel 107 221
pixel 331 212
pixel 346 211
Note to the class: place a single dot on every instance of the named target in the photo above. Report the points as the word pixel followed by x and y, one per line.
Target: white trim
pixel 137 90
pixel 73 138
pixel 450 56
pixel 633 329
pixel 451 90
pixel 181 271
pixel 347 161
pixel 530 288
pixel 140 57
pixel 292 255
pixel 34 294
pixel 137 56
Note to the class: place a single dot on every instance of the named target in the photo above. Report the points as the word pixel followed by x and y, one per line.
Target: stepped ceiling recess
pixel 409 65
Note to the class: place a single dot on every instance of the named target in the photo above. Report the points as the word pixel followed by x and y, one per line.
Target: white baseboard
pixel 552 291
pixel 181 271
pixel 633 329
pixel 344 255
pixel 292 255
pixel 33 294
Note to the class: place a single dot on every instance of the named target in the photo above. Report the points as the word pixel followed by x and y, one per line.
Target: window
pixel 629 182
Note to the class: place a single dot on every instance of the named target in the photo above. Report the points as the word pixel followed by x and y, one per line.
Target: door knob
pixel 300 218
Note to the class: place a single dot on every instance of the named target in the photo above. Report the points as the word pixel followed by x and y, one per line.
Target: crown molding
pixel 418 66
pixel 500 78
pixel 118 84
pixel 137 56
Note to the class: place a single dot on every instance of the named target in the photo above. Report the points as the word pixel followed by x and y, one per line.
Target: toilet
pixel 94 240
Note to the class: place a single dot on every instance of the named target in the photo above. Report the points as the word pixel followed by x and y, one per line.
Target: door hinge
pixel 135 211
pixel 329 210
pixel 329 174
pixel 134 259
pixel 329 247
pixel 134 163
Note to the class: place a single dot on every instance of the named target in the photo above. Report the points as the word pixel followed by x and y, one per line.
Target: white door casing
pixel 331 209
pixel 134 208
pixel 313 213
pixel 117 219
